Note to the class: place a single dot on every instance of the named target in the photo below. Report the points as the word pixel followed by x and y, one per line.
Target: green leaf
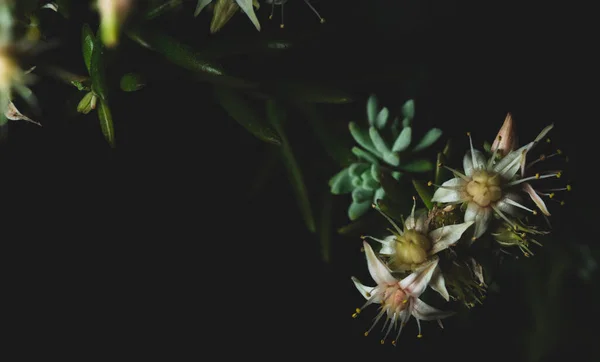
pixel 391 208
pixel 338 150
pixel 87 46
pixel 424 192
pixel 360 195
pixel 408 110
pixel 418 166
pixel 430 137
pixel 311 92
pixel 357 210
pixel 361 136
pixel 368 182
pixel 341 183
pixel 97 71
pixel 375 172
pixel 362 154
pixel 106 122
pixel 241 111
pixel 403 140
pixel 379 195
pixel 132 82
pixel 382 118
pixel 64 7
pixel 162 8
pixel 186 57
pixel 372 109
pixel 391 186
pixel 276 115
pixel 357 169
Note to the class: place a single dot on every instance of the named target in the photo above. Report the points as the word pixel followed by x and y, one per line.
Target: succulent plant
pixel 384 147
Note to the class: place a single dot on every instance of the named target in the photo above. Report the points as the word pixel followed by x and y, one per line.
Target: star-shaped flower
pixel 399 299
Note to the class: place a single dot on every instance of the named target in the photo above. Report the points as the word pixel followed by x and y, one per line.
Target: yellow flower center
pixel 412 248
pixel 484 188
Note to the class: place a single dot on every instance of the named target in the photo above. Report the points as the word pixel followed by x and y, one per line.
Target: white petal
pixel 536 198
pixel 478 164
pixel 246 6
pixel 508 166
pixel 421 224
pixel 415 283
pixel 201 5
pixel 449 195
pixel 507 208
pixel 445 236
pixel 425 312
pixel 367 292
pixel 416 222
pixel 389 245
pixel 438 283
pixel 480 215
pixel 379 271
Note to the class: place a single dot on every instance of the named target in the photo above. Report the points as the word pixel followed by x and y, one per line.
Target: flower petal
pixel 415 283
pixel 480 215
pixel 421 224
pixel 425 312
pixel 201 5
pixel 508 166
pixel 448 194
pixel 379 271
pixel 506 207
pixel 477 164
pixel 246 6
pixel 506 140
pixel 448 235
pixel 389 245
pixel 367 292
pixel 536 198
pixel 438 283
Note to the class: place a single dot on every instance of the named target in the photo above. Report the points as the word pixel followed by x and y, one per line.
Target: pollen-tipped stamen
pixel 321 19
pixel 537 176
pixel 388 219
pixel 514 203
pixel 501 214
pixel 544 158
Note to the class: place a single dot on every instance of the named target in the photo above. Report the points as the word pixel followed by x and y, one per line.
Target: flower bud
pixel 412 248
pixel 506 140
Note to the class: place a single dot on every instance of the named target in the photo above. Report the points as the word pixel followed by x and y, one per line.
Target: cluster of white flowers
pixel 489 191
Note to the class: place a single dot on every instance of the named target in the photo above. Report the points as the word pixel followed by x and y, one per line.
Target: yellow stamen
pixel 382 341
pixel 419 335
pixel 568 187
pixel 404 301
pixel 429 183
pixel 366 333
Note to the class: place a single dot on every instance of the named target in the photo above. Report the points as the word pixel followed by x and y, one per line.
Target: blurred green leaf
pixel 354 228
pixel 106 122
pixel 97 71
pixel 341 183
pixel 186 57
pixel 240 110
pixel 358 209
pixel 338 150
pixel 424 193
pixel 163 7
pixel 311 92
pixel 408 109
pixel 87 45
pixel 276 115
pixel 64 7
pixel 391 208
pixel 418 166
pixel 372 105
pixel 392 187
pixel 403 140
pixel 132 82
pixel 430 137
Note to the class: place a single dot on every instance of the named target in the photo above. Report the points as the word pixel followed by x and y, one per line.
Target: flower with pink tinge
pixel 488 186
pixel 414 247
pixel 399 299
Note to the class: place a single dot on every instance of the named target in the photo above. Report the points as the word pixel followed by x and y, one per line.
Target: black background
pixel 162 246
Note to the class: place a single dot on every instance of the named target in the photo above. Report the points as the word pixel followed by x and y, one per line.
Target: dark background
pixel 167 245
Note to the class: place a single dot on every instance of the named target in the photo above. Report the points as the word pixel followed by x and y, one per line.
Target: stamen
pixel 501 214
pixel 388 219
pixel 537 176
pixel 514 203
pixel 321 19
pixel 455 188
pixel 493 158
pixel 544 157
pixel 272 10
pixel 472 149
pixel 456 173
pixel 282 25
pixel 412 213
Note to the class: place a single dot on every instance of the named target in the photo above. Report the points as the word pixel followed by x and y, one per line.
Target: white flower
pixel 416 244
pixel 12 79
pixel 487 186
pixel 399 299
pixel 245 5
